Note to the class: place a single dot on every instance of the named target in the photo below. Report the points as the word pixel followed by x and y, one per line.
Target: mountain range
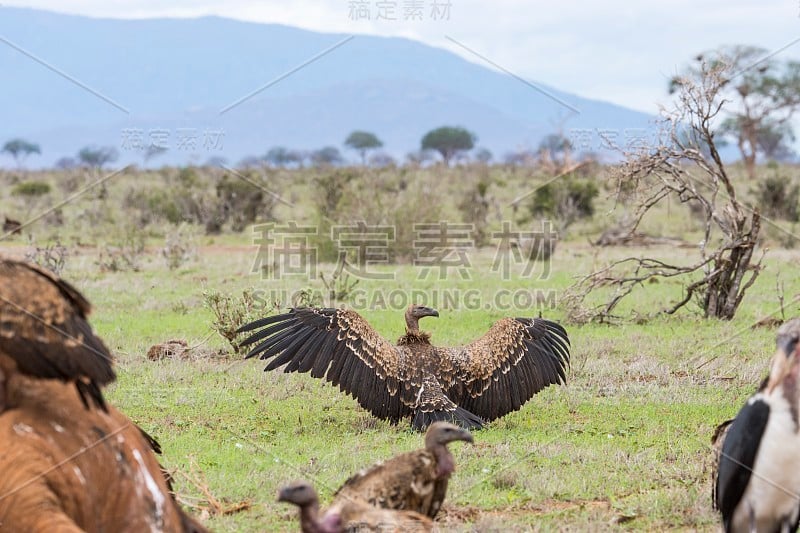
pixel 212 87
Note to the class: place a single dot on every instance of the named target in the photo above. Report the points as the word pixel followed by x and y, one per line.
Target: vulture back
pixel 44 332
pixel 405 482
pixel 69 469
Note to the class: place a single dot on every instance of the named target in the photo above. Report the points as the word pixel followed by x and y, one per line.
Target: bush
pixel 125 252
pixel 231 313
pixel 777 197
pixel 179 247
pixel 243 203
pixel 153 205
pixel 31 188
pixel 567 200
pixel 52 256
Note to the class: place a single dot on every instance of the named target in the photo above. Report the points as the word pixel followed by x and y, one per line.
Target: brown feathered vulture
pixel 350 516
pixel 44 332
pixel 415 481
pixel 484 380
pixel 757 486
pixel 91 473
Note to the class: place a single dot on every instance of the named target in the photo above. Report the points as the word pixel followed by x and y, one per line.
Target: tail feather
pixel 460 417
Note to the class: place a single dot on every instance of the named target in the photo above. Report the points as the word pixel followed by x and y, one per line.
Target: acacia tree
pixel 362 142
pixel 448 141
pixel 764 94
pixel 280 156
pixel 20 149
pixel 95 157
pixel 684 165
pixel 555 148
pixel 326 156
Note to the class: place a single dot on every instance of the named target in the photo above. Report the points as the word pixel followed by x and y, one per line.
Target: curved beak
pixel 429 311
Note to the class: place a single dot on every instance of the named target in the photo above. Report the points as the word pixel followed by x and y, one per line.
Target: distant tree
pixel 764 94
pixel 362 142
pixel 20 149
pixel 66 163
pixel 776 143
pixel 448 141
pixel 326 156
pixel 483 155
pixel 97 157
pixel 216 161
pixel 556 148
pixel 381 160
pixel 151 152
pixel 249 161
pixel 519 158
pixel 279 156
pixel 418 157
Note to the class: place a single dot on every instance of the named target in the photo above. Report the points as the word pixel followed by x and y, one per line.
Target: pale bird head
pixel 442 433
pixel 786 359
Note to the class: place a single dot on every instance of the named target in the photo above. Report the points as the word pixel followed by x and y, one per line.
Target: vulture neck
pixel 309 522
pixel 413 334
pixel 445 464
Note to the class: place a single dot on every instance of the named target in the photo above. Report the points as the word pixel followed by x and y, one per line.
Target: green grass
pixel 625 445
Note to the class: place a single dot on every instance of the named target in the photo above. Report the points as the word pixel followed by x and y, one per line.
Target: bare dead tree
pixel 683 164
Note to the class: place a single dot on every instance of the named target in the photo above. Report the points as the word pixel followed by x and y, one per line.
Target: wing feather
pixel 515 359
pixel 339 345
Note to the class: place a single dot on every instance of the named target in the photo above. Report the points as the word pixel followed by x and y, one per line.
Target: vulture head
pixel 443 433
pixel 303 495
pixel 787 360
pixel 788 335
pixel 415 312
pixel 300 494
pixel 787 342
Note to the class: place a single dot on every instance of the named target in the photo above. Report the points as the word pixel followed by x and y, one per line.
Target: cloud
pixel 617 51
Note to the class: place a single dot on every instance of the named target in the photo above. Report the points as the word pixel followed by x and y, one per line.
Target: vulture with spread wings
pixel 44 332
pixel 468 385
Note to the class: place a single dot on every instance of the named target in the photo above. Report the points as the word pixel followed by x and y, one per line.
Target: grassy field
pixel 624 445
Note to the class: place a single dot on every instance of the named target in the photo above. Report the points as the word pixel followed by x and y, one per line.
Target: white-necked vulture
pixel 44 332
pixel 758 480
pixel 350 516
pixel 415 481
pixel 484 380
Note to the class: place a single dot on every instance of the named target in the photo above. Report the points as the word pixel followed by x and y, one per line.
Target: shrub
pixel 777 197
pixel 179 247
pixel 31 188
pixel 243 203
pixel 231 313
pixel 52 257
pixel 567 200
pixel 125 252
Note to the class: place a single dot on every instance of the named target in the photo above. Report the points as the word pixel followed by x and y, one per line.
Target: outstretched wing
pixel 340 346
pixel 43 328
pixel 502 370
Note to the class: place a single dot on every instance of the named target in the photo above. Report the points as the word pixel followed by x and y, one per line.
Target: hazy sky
pixel 617 51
